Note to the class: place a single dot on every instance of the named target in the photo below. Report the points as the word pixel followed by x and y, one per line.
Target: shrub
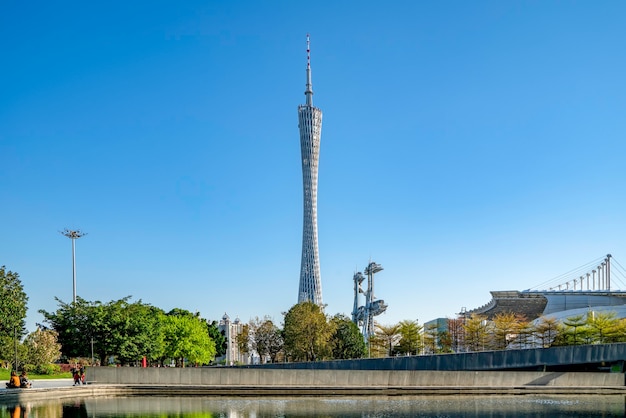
pixel 48 369
pixel 28 368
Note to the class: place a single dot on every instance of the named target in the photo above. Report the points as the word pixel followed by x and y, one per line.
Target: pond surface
pixel 327 407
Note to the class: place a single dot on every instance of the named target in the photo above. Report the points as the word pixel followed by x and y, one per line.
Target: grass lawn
pixel 6 373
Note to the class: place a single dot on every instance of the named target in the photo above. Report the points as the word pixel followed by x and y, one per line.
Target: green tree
pixel 306 332
pixel 573 325
pixel 431 339
pixel 185 337
pixel 41 349
pixel 243 339
pixel 138 331
pixel 620 331
pixel 183 312
pixel 523 332
pixel 509 327
pixel 127 331
pixel 347 341
pixel 268 340
pixel 546 331
pixel 376 346
pixel 477 333
pixel 13 308
pixel 410 337
pixel 445 342
pixel 218 337
pixel 75 324
pixel 604 327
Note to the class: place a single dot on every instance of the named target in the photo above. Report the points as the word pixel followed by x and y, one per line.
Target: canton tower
pixel 310 125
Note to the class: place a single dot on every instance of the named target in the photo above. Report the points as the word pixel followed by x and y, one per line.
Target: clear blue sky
pixel 466 147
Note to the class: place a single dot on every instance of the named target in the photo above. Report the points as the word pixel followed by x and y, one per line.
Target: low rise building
pixel 232 330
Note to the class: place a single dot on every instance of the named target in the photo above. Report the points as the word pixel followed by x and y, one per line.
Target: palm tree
pixel 575 322
pixel 476 329
pixel 546 331
pixel 603 326
pixel 389 336
pixel 409 336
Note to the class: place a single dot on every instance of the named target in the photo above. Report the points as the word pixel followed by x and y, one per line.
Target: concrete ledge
pixel 146 390
pixel 34 394
pixel 94 391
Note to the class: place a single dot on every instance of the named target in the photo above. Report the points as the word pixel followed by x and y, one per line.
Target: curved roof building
pixel 589 291
pixel 552 303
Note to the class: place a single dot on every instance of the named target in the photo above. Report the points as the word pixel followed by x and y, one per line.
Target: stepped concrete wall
pixel 235 376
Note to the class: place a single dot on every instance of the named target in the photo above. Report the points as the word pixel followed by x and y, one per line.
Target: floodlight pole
pixel 73 235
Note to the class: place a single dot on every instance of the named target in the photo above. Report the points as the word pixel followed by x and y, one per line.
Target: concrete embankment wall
pixel 539 359
pixel 234 376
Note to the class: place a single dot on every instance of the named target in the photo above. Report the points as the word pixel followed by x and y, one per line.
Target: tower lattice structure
pixel 310 126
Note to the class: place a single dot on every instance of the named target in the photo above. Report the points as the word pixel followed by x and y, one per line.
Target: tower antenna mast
pixel 308 51
pixel 73 234
pixel 309 84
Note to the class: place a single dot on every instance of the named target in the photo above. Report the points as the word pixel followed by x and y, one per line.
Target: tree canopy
pixel 268 339
pixel 477 333
pixel 410 337
pixel 41 349
pixel 187 337
pixel 13 301
pixel 13 308
pixel 129 331
pixel 218 338
pixel 346 341
pixel 307 332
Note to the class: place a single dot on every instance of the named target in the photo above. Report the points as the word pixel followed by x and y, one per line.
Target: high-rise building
pixel 310 125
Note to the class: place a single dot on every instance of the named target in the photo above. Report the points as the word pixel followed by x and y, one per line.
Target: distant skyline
pixel 467 147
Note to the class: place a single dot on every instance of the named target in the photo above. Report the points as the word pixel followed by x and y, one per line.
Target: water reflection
pixel 363 407
pixel 53 409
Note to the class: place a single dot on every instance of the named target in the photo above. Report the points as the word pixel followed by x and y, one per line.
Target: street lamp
pixel 15 343
pixel 73 235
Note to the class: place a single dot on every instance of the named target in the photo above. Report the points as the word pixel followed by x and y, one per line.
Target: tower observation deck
pixel 310 126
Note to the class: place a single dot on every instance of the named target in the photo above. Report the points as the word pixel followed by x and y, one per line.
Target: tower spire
pixel 309 85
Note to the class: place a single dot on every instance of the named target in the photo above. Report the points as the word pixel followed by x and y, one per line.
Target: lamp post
pixel 15 343
pixel 464 313
pixel 417 337
pixel 73 235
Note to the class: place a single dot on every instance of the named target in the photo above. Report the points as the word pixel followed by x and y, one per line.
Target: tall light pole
pixel 73 235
